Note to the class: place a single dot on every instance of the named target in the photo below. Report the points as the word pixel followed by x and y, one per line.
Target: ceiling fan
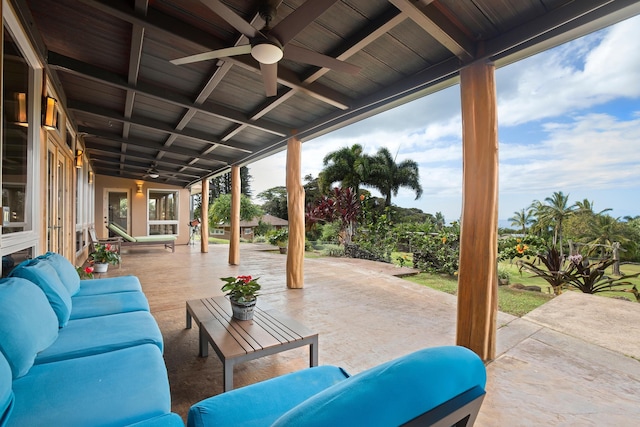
pixel 153 172
pixel 270 45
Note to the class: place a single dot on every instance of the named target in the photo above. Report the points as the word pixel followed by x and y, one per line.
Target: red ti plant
pixel 344 206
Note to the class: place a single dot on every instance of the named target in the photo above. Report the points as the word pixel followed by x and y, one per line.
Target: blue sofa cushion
pixel 393 393
pixel 27 323
pixel 6 392
pixel 109 389
pixel 167 420
pixel 44 275
pixel 94 335
pixel 106 304
pixel 109 285
pixel 262 403
pixel 66 271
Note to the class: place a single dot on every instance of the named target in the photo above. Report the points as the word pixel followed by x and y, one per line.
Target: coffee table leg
pixel 188 319
pixel 313 353
pixel 227 375
pixel 204 343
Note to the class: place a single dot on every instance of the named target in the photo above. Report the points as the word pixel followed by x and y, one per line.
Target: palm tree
pixel 539 224
pixel 606 230
pixel 522 219
pixel 347 165
pixel 387 176
pixel 586 206
pixel 557 210
pixel 439 220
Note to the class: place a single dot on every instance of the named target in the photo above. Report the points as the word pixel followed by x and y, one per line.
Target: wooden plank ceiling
pixel 135 109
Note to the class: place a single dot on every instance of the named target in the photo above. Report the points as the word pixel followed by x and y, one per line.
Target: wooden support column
pixel 295 207
pixel 204 221
pixel 234 241
pixel 477 275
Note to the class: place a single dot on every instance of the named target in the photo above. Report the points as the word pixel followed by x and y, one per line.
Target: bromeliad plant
pixel 554 274
pixel 105 254
pixel 590 277
pixel 577 272
pixel 241 288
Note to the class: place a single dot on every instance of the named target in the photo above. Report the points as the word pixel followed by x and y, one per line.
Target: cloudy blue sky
pixel 569 120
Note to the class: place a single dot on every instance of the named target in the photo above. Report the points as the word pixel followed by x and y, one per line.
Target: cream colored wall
pixel 138 207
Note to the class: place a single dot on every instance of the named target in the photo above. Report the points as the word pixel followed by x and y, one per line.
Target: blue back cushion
pixel 66 271
pixel 6 393
pixel 28 324
pixel 393 393
pixel 44 275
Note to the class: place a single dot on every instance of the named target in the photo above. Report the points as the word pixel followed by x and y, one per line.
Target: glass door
pixel 57 202
pixel 118 209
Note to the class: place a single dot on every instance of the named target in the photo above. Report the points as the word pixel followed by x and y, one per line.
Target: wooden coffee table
pixel 236 341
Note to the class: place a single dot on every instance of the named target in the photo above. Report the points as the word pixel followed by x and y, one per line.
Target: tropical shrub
pixel 527 246
pixel 438 252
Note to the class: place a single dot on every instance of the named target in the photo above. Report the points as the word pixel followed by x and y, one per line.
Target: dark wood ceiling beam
pixel 434 22
pixel 60 62
pixel 135 57
pixel 149 124
pixel 174 28
pixel 96 149
pixel 142 143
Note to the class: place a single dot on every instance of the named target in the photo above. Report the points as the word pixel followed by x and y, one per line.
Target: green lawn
pixel 512 301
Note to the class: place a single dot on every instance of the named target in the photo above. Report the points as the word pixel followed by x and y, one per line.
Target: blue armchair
pixel 441 386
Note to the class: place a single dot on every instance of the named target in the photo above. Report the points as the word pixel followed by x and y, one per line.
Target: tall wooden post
pixel 477 275
pixel 204 223
pixel 295 206
pixel 234 240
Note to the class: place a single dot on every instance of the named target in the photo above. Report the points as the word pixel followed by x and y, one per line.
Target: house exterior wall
pixel 138 207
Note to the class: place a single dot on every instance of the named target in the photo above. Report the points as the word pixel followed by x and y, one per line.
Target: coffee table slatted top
pixel 235 340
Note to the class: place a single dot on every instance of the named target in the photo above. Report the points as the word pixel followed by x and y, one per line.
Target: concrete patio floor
pixel 574 361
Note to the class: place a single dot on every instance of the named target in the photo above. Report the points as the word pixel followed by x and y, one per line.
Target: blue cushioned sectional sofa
pixel 79 352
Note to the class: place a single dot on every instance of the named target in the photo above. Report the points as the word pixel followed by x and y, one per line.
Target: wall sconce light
pixel 139 185
pixel 50 114
pixel 90 177
pixel 21 109
pixel 79 158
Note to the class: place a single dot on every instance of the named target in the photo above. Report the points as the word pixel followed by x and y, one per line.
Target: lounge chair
pixel 169 241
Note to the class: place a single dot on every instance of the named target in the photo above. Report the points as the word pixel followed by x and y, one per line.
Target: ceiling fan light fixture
pixel 153 173
pixel 266 51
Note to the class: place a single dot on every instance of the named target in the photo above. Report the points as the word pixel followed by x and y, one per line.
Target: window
pixel 163 212
pixel 16 159
pixel 217 231
pixel 248 230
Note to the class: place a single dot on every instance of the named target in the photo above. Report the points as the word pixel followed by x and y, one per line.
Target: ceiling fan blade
pixel 231 17
pixel 270 77
pixel 297 20
pixel 306 56
pixel 220 53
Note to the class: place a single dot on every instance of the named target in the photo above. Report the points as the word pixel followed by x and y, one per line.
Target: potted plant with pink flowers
pixel 104 255
pixel 242 292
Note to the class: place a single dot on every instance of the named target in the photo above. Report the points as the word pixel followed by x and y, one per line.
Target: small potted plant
pixel 104 255
pixel 242 292
pixel 85 272
pixel 280 238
